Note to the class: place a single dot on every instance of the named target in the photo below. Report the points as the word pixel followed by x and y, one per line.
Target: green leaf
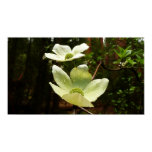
pixel 117 62
pixel 137 52
pixel 123 52
pixel 131 62
pixel 121 49
pixel 118 53
pixel 140 59
pixel 127 52
pixel 128 47
pixel 118 101
pixel 139 74
pixel 132 88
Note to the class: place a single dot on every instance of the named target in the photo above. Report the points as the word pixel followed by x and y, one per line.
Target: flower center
pixel 77 90
pixel 68 56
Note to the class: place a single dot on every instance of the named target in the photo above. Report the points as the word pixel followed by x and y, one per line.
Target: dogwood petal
pixel 77 99
pixel 77 56
pixel 95 89
pixel 80 77
pixel 61 50
pixel 83 66
pixel 61 78
pixel 59 91
pixel 80 48
pixel 53 57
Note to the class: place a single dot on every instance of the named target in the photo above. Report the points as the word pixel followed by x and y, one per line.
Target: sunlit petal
pixel 61 50
pixel 95 89
pixel 80 77
pixel 83 66
pixel 61 78
pixel 77 99
pixel 53 57
pixel 77 56
pixel 80 48
pixel 59 91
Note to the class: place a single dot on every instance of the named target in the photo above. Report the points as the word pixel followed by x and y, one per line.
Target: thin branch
pixel 96 70
pixel 121 68
pixel 85 110
pixel 110 69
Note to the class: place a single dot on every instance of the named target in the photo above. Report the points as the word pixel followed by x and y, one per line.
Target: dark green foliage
pixel 122 62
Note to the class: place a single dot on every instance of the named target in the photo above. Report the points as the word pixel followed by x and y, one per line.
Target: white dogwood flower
pixel 64 53
pixel 79 89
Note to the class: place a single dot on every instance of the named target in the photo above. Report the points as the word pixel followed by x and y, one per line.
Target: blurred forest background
pixel 121 61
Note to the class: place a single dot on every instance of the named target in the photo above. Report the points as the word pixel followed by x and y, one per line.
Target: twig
pixel 111 69
pixel 96 70
pixel 86 110
pixel 123 68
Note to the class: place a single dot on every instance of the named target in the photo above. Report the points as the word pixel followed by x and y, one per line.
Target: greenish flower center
pixel 68 56
pixel 77 90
